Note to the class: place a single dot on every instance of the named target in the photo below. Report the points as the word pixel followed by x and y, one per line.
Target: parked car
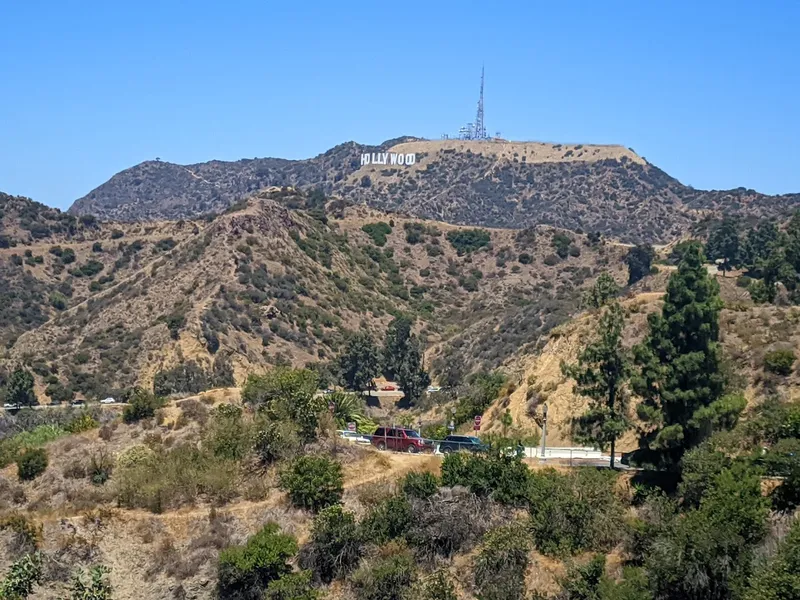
pixel 354 436
pixel 107 401
pixel 78 403
pixel 434 388
pixel 8 406
pixel 401 440
pixel 455 443
pixel 388 388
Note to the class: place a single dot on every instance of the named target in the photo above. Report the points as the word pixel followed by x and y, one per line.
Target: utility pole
pixel 544 430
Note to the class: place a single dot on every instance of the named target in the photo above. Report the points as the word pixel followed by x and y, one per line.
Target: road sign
pixel 351 426
pixel 477 423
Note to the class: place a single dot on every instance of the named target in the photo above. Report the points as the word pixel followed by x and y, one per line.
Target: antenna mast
pixel 480 128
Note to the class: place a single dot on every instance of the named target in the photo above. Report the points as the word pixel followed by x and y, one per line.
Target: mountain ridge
pixel 607 189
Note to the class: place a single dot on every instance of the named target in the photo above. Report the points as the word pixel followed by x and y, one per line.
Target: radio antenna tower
pixel 480 128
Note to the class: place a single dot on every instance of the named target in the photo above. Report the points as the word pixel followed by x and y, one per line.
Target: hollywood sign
pixel 388 158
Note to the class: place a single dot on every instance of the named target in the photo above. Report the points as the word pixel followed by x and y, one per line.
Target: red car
pixel 401 440
pixel 388 388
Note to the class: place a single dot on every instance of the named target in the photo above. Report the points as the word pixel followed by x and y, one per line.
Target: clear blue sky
pixel 708 91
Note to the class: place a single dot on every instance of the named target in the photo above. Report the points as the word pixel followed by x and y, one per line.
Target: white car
pixel 434 388
pixel 354 436
pixel 107 401
pixel 8 406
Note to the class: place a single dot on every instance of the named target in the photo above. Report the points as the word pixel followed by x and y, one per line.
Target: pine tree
pixel 723 243
pixel 679 376
pixel 359 362
pixel 602 374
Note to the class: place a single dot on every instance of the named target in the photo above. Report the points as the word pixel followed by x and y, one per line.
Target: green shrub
pixel 31 463
pixel 420 485
pixel 83 422
pixel 335 546
pixel 313 482
pixel 378 232
pixel 468 240
pixel 67 256
pixel 58 301
pixel 780 362
pixel 288 395
pixel 779 579
pixel 165 244
pixel 499 477
pixel 575 512
pixel 293 586
pixel 100 467
pixel 185 378
pixel 22 576
pixel 438 586
pixel 500 567
pixel 782 458
pixel 551 260
pixel 388 577
pixel 562 243
pixel 246 571
pixel 388 520
pixel 59 393
pixel 699 468
pixel 168 479
pixel 96 588
pixel 142 405
pixel 525 258
pixel 228 436
pixel 276 440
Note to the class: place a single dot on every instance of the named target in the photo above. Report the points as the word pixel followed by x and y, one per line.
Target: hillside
pixel 607 189
pixel 108 305
pixel 747 333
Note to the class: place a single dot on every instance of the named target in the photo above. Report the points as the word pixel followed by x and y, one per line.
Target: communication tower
pixel 480 128
pixel 476 130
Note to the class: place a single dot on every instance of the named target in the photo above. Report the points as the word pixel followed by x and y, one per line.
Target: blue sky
pixel 708 91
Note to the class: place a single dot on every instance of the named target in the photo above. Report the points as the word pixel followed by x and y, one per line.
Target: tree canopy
pixel 601 375
pixel 679 376
pixel 639 260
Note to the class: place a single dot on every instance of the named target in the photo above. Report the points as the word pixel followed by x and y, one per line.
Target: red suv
pixel 402 440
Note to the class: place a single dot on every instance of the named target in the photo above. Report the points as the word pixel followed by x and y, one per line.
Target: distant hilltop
pixel 494 183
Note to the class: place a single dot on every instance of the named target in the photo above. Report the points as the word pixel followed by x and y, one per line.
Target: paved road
pixel 45 406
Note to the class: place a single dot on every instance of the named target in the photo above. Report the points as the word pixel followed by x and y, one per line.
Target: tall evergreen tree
pixel 411 374
pixel 396 345
pixel 359 362
pixel 792 241
pixel 723 243
pixel 601 374
pixel 639 260
pixel 758 244
pixel 19 389
pixel 679 376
